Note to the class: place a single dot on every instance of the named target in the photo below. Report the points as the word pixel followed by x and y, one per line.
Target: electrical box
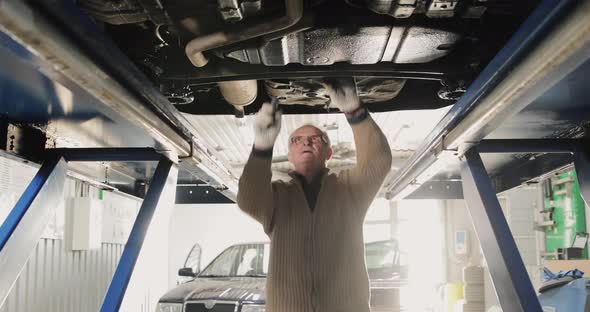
pixel 83 223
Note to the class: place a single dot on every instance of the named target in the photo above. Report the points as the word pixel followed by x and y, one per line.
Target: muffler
pixel 239 93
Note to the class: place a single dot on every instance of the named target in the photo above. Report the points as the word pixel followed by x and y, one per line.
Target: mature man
pixel 315 221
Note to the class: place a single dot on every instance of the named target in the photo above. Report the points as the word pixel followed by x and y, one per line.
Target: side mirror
pixel 186 272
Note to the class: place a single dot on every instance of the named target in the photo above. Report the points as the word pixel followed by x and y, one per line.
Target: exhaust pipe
pixel 195 47
pixel 242 92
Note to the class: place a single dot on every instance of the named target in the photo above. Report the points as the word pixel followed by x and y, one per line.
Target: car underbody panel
pixel 405 54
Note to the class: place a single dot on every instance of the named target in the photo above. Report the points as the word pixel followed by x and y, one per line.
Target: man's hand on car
pixel 343 94
pixel 267 126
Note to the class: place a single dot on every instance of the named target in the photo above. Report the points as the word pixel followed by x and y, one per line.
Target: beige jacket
pixel 317 259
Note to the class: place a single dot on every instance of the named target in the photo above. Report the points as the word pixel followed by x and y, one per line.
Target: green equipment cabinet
pixel 563 205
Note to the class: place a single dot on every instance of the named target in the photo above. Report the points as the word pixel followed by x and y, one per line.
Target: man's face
pixel 307 147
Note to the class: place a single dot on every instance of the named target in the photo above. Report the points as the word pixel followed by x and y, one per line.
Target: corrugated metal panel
pixel 233 137
pixel 58 280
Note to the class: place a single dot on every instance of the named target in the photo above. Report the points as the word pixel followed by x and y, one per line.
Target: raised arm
pixel 373 162
pixel 372 150
pixel 255 191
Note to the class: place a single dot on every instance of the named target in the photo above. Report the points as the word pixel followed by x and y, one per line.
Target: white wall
pixel 458 218
pixel 57 280
pixel 213 226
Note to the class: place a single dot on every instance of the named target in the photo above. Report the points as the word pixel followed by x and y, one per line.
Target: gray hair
pixel 324 134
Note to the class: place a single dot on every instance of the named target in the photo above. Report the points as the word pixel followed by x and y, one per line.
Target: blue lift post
pixel 513 286
pixel 165 172
pixel 25 224
pixel 483 109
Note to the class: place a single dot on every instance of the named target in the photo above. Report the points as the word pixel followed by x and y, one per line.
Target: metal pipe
pixel 478 113
pixel 195 47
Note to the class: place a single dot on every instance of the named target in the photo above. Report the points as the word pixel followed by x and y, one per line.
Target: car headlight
pixel 253 308
pixel 169 307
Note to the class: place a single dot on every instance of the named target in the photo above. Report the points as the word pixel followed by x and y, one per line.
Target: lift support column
pixel 509 276
pixel 161 191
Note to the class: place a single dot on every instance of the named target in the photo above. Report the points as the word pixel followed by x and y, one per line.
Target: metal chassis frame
pixel 224 70
pixel 39 185
pixel 507 270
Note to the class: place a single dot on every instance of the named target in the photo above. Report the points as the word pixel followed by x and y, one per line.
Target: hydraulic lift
pixel 531 100
pixel 504 115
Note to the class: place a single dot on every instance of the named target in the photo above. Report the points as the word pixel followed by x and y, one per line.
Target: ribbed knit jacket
pixel 317 261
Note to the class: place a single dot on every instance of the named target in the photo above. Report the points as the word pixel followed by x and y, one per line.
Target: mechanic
pixel 315 221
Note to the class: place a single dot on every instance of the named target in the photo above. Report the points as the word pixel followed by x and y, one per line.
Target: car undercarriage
pixel 229 56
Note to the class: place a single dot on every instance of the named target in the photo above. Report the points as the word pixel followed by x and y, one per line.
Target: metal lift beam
pixel 101 70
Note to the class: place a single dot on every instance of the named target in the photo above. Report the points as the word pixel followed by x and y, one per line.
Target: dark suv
pixel 235 280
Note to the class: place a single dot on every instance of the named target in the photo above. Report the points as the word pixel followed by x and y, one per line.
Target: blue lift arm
pixel 164 180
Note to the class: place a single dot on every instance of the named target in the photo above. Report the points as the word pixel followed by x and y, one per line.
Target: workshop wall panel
pixel 57 280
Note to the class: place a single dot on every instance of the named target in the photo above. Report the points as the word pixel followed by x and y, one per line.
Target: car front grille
pixel 218 307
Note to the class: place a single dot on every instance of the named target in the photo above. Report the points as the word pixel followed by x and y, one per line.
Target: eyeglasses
pixel 315 139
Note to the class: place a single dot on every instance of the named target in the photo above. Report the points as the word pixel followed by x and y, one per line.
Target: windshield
pixel 252 259
pixel 241 260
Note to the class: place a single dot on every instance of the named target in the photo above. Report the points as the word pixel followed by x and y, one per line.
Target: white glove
pixel 343 94
pixel 266 127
